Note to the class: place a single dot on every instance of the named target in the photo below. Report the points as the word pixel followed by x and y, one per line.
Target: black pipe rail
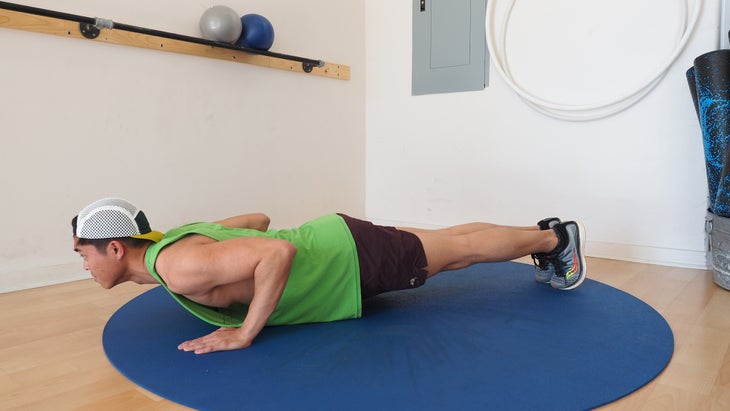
pixel 91 28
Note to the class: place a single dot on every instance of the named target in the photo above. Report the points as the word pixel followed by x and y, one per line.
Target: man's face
pixel 104 267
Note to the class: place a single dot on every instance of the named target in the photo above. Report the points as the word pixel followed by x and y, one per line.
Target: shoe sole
pixel 581 256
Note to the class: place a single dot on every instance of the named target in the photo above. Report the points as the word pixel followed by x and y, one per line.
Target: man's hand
pixel 222 339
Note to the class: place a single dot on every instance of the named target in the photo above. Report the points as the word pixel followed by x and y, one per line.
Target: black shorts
pixel 390 259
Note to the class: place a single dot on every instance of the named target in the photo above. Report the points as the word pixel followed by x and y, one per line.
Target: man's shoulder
pixel 182 255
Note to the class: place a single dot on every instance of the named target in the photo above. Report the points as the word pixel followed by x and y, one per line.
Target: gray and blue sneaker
pixel 543 266
pixel 569 260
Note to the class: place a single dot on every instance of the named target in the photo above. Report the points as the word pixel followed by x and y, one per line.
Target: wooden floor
pixel 51 356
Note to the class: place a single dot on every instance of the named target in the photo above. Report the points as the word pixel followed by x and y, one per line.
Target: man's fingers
pixel 220 340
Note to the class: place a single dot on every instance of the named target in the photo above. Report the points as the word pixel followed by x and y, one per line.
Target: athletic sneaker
pixel 543 266
pixel 569 262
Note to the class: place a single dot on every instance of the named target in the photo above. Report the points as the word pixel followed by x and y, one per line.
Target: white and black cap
pixel 114 218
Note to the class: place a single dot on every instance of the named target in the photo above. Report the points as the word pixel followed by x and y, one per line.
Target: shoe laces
pixel 541 261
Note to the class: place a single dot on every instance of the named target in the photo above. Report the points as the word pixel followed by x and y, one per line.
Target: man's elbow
pixel 289 250
pixel 280 260
pixel 263 222
pixel 281 253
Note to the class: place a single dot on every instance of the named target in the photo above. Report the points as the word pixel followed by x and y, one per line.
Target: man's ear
pixel 117 249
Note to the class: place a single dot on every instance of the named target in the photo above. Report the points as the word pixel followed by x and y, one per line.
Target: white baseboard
pixel 22 278
pixel 648 255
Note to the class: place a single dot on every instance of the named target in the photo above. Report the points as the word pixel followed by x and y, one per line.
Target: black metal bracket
pixel 89 30
pixel 308 66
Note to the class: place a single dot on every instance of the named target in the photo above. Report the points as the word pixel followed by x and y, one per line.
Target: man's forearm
pixel 255 221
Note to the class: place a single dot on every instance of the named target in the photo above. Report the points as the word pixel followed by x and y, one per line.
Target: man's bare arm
pixel 262 264
pixel 255 221
pixel 270 279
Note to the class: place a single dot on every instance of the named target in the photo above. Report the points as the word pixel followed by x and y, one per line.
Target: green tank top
pixel 323 285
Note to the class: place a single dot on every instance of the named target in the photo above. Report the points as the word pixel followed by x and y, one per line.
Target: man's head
pixel 104 232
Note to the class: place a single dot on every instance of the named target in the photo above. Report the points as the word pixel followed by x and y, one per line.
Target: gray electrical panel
pixel 449 46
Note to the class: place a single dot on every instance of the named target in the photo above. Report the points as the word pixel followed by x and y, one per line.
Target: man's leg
pixel 465 228
pixel 461 246
pixel 544 269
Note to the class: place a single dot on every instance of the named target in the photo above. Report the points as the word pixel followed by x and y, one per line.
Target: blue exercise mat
pixel 485 337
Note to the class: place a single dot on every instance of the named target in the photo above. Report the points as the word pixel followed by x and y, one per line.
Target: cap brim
pixel 155 236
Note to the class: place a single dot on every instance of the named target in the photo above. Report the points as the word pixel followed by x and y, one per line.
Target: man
pixel 238 274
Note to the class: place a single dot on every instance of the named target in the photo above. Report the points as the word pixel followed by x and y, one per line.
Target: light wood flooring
pixel 51 356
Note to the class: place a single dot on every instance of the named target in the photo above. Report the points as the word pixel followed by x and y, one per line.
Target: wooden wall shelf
pixel 15 16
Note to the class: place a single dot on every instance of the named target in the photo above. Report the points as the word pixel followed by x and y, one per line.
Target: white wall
pixel 636 180
pixel 186 138
pixel 189 138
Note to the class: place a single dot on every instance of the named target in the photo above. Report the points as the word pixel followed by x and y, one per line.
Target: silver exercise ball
pixel 221 23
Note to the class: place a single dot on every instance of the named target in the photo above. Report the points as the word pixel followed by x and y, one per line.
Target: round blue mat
pixel 485 337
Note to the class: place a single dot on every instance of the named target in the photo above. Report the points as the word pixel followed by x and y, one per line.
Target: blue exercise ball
pixel 220 23
pixel 257 32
